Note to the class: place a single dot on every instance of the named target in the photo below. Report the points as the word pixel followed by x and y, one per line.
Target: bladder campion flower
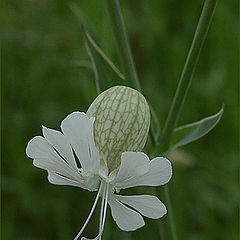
pixel 106 142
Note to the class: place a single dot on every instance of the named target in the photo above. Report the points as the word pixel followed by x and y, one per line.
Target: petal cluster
pixel 137 170
pixel 60 153
pixel 71 158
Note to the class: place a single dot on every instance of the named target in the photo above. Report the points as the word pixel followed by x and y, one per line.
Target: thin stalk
pixel 123 42
pixel 161 227
pixel 125 54
pixel 102 54
pixel 170 213
pixel 185 80
pixel 93 66
pixel 187 74
pixel 182 90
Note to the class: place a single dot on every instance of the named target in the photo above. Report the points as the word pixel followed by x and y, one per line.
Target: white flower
pixel 60 153
pixel 100 151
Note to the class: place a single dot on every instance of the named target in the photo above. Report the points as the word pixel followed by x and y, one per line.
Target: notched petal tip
pixel 165 212
pixel 132 164
pixel 159 173
pixel 46 130
pixel 76 114
pixel 148 205
pixel 141 165
pixel 126 218
pixel 31 146
pixel 43 128
pixel 167 168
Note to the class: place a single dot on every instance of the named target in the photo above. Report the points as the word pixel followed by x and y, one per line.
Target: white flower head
pixel 106 142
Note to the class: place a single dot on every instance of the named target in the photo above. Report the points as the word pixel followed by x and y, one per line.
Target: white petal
pixel 57 179
pixel 45 157
pixel 147 205
pixel 60 143
pixel 132 164
pixel 126 218
pixel 160 172
pixel 78 128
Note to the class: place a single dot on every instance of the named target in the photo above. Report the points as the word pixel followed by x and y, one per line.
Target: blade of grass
pixel 103 55
pixel 191 132
pixel 187 73
pixel 121 37
pixel 125 53
pixel 185 80
pixel 79 14
pixel 94 66
pixel 182 90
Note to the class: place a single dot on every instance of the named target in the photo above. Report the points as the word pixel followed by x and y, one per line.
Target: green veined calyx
pixel 122 120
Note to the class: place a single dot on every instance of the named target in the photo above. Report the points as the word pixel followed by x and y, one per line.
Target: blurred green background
pixel 41 42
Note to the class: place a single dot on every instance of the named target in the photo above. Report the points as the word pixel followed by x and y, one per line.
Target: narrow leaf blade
pixel 94 66
pixel 77 11
pixel 102 54
pixel 191 132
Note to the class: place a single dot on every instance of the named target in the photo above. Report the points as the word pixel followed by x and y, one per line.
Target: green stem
pixel 182 90
pixel 170 213
pixel 187 74
pixel 161 223
pixel 89 52
pixel 184 83
pixel 123 42
pixel 125 53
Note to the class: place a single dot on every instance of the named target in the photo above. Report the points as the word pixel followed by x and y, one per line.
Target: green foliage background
pixel 41 42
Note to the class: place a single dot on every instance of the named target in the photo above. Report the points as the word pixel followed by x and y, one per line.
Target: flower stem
pixel 123 42
pixel 170 213
pixel 187 74
pixel 125 53
pixel 94 67
pixel 184 83
pixel 182 90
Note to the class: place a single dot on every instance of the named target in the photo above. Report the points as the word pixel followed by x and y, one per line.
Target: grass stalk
pixel 184 83
pixel 187 74
pixel 125 53
pixel 182 90
pixel 121 37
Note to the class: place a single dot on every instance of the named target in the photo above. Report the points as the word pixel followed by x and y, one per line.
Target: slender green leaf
pixel 121 36
pixel 77 11
pixel 102 54
pixel 94 66
pixel 187 74
pixel 191 132
pixel 99 62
